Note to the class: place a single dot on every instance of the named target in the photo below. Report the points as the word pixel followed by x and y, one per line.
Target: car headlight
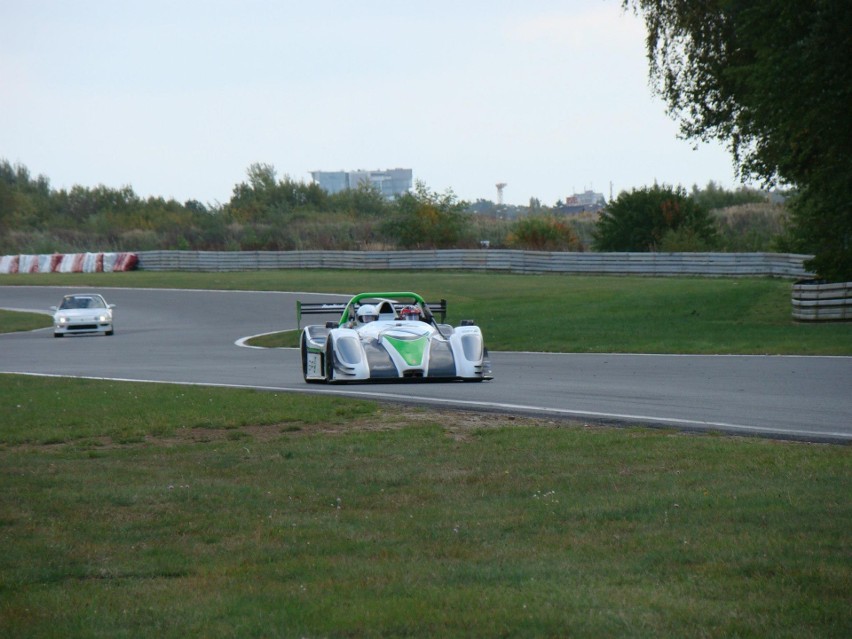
pixel 472 346
pixel 103 318
pixel 62 319
pixel 349 350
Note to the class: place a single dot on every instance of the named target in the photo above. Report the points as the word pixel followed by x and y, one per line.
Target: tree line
pixel 270 213
pixel 771 79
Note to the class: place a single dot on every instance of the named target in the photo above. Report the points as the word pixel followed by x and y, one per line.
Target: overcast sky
pixel 177 98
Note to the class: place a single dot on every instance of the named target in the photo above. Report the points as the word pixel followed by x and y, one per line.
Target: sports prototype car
pixel 82 313
pixel 390 336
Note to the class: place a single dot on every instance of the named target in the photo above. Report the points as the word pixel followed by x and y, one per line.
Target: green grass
pixel 146 510
pixel 558 313
pixel 284 339
pixel 14 321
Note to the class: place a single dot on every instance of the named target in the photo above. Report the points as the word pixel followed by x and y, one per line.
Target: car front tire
pixel 329 360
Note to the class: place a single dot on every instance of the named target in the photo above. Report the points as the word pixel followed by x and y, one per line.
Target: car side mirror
pixel 54 308
pixel 110 305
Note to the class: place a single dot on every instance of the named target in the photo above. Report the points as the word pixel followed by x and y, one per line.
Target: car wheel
pixel 329 360
pixel 57 334
pixel 109 332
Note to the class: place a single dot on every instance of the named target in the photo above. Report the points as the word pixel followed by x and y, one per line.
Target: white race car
pixel 82 313
pixel 390 336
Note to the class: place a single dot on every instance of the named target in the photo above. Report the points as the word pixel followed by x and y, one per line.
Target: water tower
pixel 500 187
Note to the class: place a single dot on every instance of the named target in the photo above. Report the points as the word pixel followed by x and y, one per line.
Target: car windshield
pixel 82 302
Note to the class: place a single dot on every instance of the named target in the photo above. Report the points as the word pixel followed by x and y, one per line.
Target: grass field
pixel 13 321
pixel 554 312
pixel 146 510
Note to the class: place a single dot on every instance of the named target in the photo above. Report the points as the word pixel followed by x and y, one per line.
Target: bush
pixel 543 233
pixel 751 227
pixel 426 219
pixel 639 220
pixel 822 225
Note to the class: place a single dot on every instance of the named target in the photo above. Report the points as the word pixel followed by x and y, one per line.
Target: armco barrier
pixel 68 263
pixel 512 261
pixel 528 262
pixel 815 301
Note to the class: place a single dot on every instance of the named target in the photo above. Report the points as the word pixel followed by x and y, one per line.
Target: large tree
pixel 773 80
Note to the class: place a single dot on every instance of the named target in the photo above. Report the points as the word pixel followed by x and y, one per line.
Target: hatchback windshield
pixel 79 301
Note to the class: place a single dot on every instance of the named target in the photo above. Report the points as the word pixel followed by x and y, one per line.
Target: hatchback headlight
pixel 62 319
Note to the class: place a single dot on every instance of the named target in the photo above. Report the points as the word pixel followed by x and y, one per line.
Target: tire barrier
pixel 69 263
pixel 816 301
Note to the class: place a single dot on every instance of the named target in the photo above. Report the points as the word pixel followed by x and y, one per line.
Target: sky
pixel 177 98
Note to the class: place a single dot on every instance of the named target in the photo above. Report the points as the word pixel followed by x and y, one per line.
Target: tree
pixel 366 200
pixel 714 196
pixel 426 219
pixel 772 80
pixel 641 219
pixel 264 199
pixel 543 233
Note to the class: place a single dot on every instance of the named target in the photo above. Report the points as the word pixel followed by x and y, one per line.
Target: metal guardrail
pixel 818 301
pixel 782 265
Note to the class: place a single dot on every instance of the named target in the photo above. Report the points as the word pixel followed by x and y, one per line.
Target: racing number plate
pixel 314 368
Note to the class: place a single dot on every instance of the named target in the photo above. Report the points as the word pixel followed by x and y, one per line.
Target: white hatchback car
pixel 82 313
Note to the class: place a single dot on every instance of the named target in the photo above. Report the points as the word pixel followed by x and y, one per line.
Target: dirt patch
pixel 458 425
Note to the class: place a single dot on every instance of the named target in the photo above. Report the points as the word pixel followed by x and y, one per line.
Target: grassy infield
pixel 149 510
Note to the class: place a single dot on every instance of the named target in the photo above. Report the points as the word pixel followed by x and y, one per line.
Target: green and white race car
pixel 390 336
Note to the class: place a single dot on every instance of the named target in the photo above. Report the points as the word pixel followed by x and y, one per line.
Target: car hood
pixel 396 330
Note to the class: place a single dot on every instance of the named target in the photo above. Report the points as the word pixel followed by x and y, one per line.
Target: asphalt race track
pixel 192 337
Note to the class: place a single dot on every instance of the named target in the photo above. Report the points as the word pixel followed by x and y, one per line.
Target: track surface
pixel 190 337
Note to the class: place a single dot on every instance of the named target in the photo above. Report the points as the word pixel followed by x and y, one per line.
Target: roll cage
pixel 394 300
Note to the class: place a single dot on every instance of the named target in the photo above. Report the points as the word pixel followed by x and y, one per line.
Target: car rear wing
pixel 318 308
pixel 337 308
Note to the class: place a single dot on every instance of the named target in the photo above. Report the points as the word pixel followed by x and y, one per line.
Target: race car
pixel 82 313
pixel 390 336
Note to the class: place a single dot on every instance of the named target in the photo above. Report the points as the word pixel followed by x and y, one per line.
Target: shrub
pixel 639 220
pixel 543 233
pixel 426 219
pixel 751 227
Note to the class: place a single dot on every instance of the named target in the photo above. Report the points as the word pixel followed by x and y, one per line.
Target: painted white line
pixel 522 408
pixel 242 341
pixel 38 311
pixel 696 355
pixel 189 290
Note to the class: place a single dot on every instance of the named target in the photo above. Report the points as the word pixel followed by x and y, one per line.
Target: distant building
pixel 580 202
pixel 389 182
